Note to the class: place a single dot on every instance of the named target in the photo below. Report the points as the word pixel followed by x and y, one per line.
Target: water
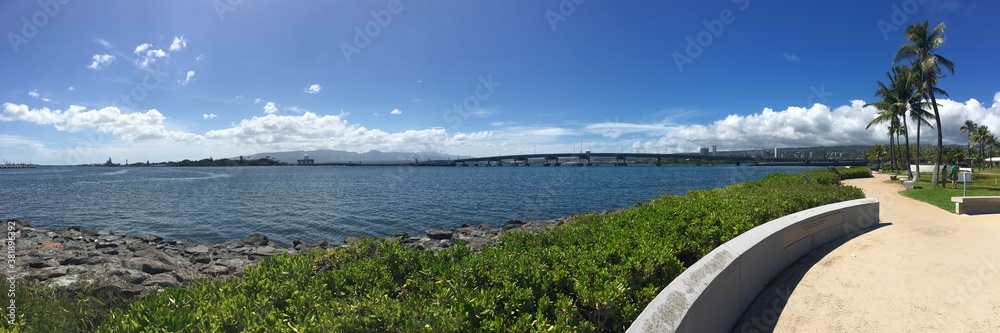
pixel 218 204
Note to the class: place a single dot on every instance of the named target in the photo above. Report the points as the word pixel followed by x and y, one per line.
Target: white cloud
pixel 790 57
pixel 71 88
pixel 101 60
pixel 270 108
pixel 296 109
pixel 258 101
pixel 33 93
pixel 200 58
pixel 483 113
pixel 142 48
pixel 179 44
pixel 147 55
pixel 187 79
pixel 102 42
pixel 396 111
pixel 126 126
pixel 313 88
pixel 208 116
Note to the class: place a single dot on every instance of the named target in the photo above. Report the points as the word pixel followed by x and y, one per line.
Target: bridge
pixel 589 159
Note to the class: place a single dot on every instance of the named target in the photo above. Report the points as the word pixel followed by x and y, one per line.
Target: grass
pixel 985 182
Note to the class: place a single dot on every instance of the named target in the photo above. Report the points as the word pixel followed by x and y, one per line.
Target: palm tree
pixel 969 128
pixel 927 63
pixel 982 137
pixel 895 98
pixel 918 111
pixel 887 116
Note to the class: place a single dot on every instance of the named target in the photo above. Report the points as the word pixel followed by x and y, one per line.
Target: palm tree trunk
pixel 918 150
pixel 906 136
pixel 940 142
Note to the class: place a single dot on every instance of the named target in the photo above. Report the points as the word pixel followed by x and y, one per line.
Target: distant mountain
pixel 331 156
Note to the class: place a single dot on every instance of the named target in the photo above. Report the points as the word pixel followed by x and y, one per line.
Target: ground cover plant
pixel 594 274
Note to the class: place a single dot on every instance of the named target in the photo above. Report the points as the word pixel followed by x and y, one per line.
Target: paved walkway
pixel 922 270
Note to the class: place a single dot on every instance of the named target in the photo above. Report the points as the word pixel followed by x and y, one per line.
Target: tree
pixel 918 111
pixel 927 64
pixel 981 137
pixel 895 97
pixel 969 128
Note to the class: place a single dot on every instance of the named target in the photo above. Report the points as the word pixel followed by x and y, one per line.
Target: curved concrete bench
pixel 712 294
pixel 976 205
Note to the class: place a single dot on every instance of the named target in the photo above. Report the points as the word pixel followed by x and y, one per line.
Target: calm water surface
pixel 218 204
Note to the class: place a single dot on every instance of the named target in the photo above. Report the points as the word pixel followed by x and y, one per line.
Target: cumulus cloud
pixel 179 44
pixel 258 101
pixel 71 88
pixel 187 79
pixel 126 126
pixel 814 126
pixel 101 60
pixel 208 116
pixel 147 55
pixel 790 57
pixel 270 108
pixel 310 131
pixel 200 58
pixel 396 111
pixel 33 93
pixel 313 88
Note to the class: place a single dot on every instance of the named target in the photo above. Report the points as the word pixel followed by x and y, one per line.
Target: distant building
pixel 704 151
pixel 714 152
pixel 777 153
pixel 306 160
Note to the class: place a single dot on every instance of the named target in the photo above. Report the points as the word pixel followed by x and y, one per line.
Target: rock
pixel 215 270
pixel 130 275
pixel 161 280
pixel 66 281
pixel 201 259
pixel 265 251
pixel 440 234
pixel 154 267
pixel 296 243
pixel 18 223
pixel 153 261
pixel 412 240
pixel 351 240
pixel 183 243
pixel 254 239
pixel 401 234
pixel 200 249
pixel 92 232
pixel 150 238
pixel 104 245
pixel 512 224
pixel 69 258
pixel 51 272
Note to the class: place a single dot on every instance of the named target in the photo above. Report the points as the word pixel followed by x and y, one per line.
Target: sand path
pixel 922 270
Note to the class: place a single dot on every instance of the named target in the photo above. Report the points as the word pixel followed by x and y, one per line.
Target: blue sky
pixel 169 80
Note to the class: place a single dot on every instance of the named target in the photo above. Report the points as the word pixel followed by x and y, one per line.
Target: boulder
pixel 254 239
pixel 161 280
pixel 200 249
pixel 150 238
pixel 440 234
pixel 513 224
pixel 215 270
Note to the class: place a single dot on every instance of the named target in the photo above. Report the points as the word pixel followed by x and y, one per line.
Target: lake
pixel 218 204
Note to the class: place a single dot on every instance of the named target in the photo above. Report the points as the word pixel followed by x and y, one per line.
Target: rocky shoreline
pixel 141 264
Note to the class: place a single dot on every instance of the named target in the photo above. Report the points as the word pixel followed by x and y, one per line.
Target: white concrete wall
pixel 712 294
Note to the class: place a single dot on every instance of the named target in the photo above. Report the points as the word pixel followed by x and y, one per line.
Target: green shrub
pixel 595 273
